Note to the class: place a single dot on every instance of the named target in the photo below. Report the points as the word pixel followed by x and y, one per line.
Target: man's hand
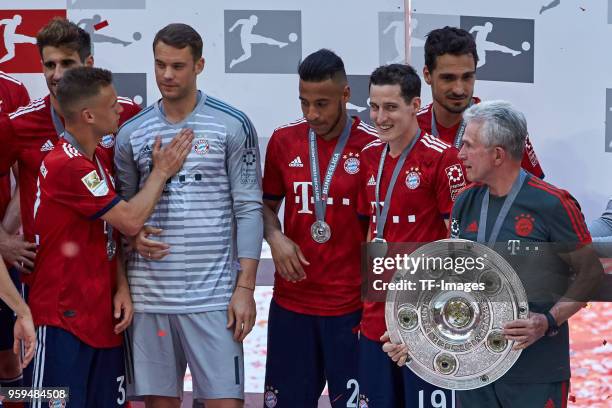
pixel 122 308
pixel 18 253
pixel 241 312
pixel 24 332
pixel 288 257
pixel 149 248
pixel 525 332
pixel 396 352
pixel 169 159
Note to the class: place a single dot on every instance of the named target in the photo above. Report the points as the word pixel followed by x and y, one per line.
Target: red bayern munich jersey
pixel 422 199
pixel 13 94
pixel 530 160
pixel 75 280
pixel 332 286
pixel 28 135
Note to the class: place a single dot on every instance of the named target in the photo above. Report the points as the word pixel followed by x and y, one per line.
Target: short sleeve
pixel 22 98
pixel 566 223
pixel 364 208
pixel 79 185
pixel 9 143
pixel 450 180
pixel 273 185
pixel 130 109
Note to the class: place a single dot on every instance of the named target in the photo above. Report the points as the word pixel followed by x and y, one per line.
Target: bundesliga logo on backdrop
pixel 262 41
pixel 132 85
pixel 359 104
pixel 18 51
pixel 505 45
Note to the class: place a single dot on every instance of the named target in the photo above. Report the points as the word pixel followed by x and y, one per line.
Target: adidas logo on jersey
pixel 47 146
pixel 146 151
pixel 297 162
pixel 371 181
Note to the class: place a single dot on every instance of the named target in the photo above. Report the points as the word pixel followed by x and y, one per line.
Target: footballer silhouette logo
pixel 262 41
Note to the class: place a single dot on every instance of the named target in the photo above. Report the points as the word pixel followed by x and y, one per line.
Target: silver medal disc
pixel 377 248
pixel 111 249
pixel 320 231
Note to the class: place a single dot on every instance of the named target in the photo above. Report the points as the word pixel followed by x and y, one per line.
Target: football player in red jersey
pixel 417 177
pixel 76 272
pixel 30 132
pixel 316 307
pixel 13 94
pixel 450 70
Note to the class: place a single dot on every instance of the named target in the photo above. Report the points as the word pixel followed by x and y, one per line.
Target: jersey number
pixel 438 399
pixel 121 399
pixel 352 401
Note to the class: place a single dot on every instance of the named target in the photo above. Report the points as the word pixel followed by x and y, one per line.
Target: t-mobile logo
pixel 302 196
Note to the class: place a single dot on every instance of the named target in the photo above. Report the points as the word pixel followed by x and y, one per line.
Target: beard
pixel 455 108
pixel 338 119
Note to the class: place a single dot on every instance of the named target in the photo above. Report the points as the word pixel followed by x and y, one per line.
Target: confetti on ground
pixel 591 358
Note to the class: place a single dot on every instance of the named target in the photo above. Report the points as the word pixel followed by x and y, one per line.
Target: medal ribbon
pixel 460 131
pixel 321 192
pixel 381 218
pixel 484 211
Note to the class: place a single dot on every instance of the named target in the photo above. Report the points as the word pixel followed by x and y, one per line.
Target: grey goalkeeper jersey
pixel 210 211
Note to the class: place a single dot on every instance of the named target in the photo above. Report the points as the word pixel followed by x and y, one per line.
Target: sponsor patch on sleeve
pixel 248 170
pixel 456 180
pixel 96 186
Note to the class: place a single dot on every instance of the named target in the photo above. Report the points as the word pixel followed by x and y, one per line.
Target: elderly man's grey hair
pixel 502 125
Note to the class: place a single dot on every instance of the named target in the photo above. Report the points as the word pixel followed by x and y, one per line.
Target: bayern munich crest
pixel 413 180
pixel 107 141
pixel 201 146
pixel 270 398
pixel 57 403
pixel 351 165
pixel 523 225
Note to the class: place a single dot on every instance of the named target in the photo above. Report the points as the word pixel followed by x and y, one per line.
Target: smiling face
pixel 323 104
pixel 56 61
pixel 452 81
pixel 390 113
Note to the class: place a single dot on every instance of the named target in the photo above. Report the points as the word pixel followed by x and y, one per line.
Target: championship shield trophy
pixel 452 321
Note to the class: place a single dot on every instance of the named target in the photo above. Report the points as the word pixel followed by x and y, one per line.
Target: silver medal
pixel 320 231
pixel 377 248
pixel 111 248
